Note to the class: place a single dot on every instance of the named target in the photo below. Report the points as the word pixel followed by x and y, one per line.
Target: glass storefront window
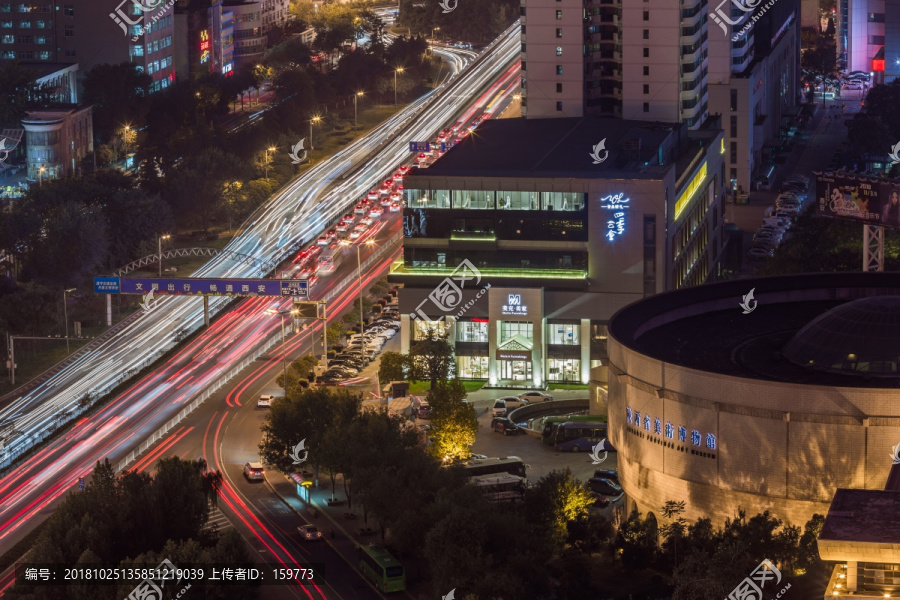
pixel 515 370
pixel 565 334
pixel 562 201
pixel 425 199
pixel 519 201
pixel 510 329
pixel 422 328
pixel 564 369
pixel 471 331
pixel 472 367
pixel 473 199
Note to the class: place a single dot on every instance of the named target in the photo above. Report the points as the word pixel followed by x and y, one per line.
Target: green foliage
pixel 335 332
pixel 481 21
pixel 454 423
pixel 196 185
pixel 118 93
pixel 392 367
pixel 556 500
pixel 431 358
pixel 18 93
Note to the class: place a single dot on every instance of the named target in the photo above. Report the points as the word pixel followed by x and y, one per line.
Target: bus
pixel 510 465
pixel 547 426
pixel 382 568
pixel 577 437
pixel 501 488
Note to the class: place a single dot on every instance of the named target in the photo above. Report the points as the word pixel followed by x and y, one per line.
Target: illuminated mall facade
pixel 522 241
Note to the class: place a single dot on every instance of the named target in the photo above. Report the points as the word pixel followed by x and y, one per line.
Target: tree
pixel 820 59
pixel 334 333
pixel 431 358
pixel 138 216
pixel 676 529
pixel 118 93
pixel 18 93
pixel 392 367
pixel 453 422
pixel 74 245
pixel 636 541
pixel 196 185
pixel 557 499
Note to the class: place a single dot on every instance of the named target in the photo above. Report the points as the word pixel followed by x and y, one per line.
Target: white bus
pixel 501 488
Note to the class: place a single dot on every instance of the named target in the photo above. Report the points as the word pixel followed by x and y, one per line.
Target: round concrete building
pixel 769 407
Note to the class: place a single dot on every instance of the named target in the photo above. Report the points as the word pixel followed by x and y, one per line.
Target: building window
pixel 558 32
pixel 559 69
pixel 733 100
pixel 559 88
pixel 70 31
pixel 421 329
pixel 69 10
pixel 523 65
pixel 559 50
pixel 646 52
pixel 559 15
pixel 559 107
pixel 646 34
pixel 646 15
pixel 472 331
pixel 733 126
pixel 733 153
pixel 523 30
pixel 646 107
pixel 510 329
pixel 646 88
pixel 521 11
pixel 564 334
pixel 564 369
pixel 472 367
pixel 646 70
pixel 649 255
pixel 523 46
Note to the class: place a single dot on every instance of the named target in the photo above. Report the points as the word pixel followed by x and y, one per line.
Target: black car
pixel 601 485
pixel 504 426
pixel 611 475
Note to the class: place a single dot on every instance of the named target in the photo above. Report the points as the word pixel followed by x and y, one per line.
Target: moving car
pixel 504 426
pixel 367 221
pixel 536 397
pixel 395 207
pixel 309 533
pixel 265 401
pixel 322 241
pixel 360 208
pixel 372 195
pixel 342 226
pixel 254 471
pixel 375 213
pixel 349 218
pixel 499 409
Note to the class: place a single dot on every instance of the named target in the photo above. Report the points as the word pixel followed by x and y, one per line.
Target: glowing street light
pixel 433 29
pixel 159 241
pixel 396 71
pixel 355 98
pixel 272 149
pixel 273 311
pixel 66 313
pixel 315 119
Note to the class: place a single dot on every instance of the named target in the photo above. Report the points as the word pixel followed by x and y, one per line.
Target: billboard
pixel 859 198
pixel 181 286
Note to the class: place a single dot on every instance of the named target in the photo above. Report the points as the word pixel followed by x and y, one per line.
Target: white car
pixel 514 401
pixel 342 226
pixel 375 213
pixel 355 234
pixel 395 207
pixel 265 401
pixel 367 221
pixel 536 397
pixel 499 409
pixel 254 471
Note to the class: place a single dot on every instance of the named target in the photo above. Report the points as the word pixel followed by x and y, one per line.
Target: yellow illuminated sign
pixel 685 198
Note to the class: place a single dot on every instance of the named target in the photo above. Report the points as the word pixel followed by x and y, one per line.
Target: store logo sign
pixel 617 203
pixel 514 306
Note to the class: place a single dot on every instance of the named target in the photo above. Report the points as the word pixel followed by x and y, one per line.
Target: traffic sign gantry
pixel 196 286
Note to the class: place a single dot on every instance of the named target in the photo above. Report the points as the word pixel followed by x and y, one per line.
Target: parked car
pixel 504 426
pixel 309 533
pixel 600 501
pixel 608 474
pixel 254 471
pixel 604 486
pixel 536 397
pixel 514 401
pixel 499 409
pixel 265 401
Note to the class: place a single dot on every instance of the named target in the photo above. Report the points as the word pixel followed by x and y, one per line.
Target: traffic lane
pixel 540 458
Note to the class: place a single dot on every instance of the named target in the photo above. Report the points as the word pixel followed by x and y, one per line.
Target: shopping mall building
pixel 770 407
pixel 522 241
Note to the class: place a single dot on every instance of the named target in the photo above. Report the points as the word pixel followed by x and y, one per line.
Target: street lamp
pixel 159 241
pixel 355 97
pixel 66 314
pixel 273 311
pixel 397 70
pixel 272 149
pixel 126 130
pixel 41 170
pixel 362 328
pixel 315 119
pixel 433 29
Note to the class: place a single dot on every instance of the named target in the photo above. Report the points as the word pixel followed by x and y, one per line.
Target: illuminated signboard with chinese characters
pixel 296 288
pixel 514 306
pixel 204 46
pixel 654 424
pixel 617 204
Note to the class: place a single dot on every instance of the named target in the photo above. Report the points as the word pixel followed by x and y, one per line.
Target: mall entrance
pixel 515 370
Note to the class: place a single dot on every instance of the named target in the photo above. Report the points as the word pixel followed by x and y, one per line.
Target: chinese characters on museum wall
pixel 655 424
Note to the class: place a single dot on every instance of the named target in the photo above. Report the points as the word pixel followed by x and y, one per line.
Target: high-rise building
pixel 204 31
pixel 249 38
pixel 666 60
pixel 864 28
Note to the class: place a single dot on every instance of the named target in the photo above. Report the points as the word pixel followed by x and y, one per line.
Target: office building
pixel 57 141
pixel 772 405
pixel 204 30
pixel 250 40
pixel 564 237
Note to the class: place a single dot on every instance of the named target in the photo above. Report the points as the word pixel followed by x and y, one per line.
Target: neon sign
pixel 514 306
pixel 616 225
pixel 643 421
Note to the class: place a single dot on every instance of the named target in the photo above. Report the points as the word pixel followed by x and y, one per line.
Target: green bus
pixel 382 568
pixel 549 425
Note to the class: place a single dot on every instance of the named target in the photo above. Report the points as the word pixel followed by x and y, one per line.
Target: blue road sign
pixel 81 483
pixel 182 286
pixel 420 146
pixel 106 285
pixel 446 146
